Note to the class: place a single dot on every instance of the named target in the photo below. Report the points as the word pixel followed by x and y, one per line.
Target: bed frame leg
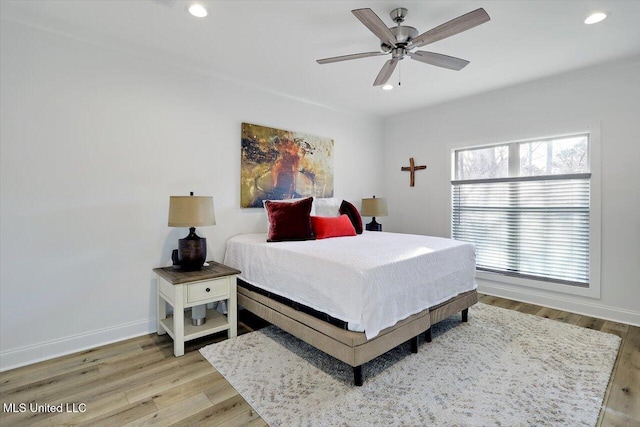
pixel 414 344
pixel 427 335
pixel 465 315
pixel 357 375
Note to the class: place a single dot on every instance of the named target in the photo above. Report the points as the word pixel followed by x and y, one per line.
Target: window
pixel 527 208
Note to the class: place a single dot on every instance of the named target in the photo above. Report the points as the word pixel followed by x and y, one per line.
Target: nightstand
pixel 184 289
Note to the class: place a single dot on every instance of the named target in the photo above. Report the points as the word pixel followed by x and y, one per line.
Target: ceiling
pixel 273 45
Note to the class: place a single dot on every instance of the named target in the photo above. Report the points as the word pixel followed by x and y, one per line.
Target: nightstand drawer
pixel 207 290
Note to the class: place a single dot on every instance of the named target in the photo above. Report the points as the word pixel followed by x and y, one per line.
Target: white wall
pixel 606 98
pixel 93 142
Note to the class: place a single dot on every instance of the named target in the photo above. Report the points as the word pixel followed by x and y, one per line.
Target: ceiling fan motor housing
pixel 403 35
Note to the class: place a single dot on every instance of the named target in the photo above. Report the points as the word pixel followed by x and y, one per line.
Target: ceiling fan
pixel 399 41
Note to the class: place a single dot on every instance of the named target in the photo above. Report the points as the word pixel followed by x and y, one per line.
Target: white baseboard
pixel 28 355
pixel 16 358
pixel 561 302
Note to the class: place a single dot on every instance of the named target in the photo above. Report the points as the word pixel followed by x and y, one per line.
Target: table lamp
pixel 374 207
pixel 191 211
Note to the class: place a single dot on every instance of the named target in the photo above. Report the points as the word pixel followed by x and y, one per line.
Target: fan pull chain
pixel 399 74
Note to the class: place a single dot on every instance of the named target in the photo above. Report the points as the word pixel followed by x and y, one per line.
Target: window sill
pixel 593 291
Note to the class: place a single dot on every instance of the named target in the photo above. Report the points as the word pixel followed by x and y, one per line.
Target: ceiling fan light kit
pixel 399 41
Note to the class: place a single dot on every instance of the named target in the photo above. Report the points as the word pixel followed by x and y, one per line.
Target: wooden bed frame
pixel 350 347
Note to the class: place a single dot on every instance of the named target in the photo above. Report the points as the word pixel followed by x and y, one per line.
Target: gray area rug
pixel 502 368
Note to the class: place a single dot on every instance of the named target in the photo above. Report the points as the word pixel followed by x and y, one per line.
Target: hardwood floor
pixel 140 382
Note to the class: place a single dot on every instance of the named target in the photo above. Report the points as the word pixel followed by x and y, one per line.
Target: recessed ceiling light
pixel 595 17
pixel 198 10
pixel 387 87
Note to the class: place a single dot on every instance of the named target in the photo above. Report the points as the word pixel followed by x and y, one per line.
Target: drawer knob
pixel 208 290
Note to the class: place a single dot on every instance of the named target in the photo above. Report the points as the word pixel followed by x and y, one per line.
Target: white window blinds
pixel 534 227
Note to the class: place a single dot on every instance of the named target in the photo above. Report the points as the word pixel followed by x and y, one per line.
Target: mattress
pixel 371 281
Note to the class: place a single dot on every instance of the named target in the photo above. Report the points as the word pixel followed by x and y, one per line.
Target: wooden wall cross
pixel 412 168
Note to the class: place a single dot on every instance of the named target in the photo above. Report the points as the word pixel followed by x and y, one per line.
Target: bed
pixel 355 297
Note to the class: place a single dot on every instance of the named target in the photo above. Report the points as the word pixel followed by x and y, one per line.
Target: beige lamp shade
pixel 191 211
pixel 374 207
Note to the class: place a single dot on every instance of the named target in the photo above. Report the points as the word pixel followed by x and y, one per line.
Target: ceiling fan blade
pixel 439 60
pixel 375 25
pixel 348 57
pixel 385 72
pixel 451 28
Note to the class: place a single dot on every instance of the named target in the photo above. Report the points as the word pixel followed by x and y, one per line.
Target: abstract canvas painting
pixel 280 164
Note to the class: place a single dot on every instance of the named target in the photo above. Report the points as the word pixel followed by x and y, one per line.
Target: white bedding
pixel 371 281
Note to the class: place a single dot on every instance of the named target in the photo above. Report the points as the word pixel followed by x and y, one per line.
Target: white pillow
pixel 329 206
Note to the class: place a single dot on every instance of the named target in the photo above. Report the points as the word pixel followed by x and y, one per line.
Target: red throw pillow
pixel 353 214
pixel 333 226
pixel 289 221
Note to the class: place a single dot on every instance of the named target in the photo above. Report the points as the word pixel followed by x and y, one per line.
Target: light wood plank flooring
pixel 140 382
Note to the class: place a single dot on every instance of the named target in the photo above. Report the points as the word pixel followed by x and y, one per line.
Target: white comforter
pixel 370 281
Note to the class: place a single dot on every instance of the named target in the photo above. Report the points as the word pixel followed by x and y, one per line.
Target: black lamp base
pixel 192 251
pixel 373 225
